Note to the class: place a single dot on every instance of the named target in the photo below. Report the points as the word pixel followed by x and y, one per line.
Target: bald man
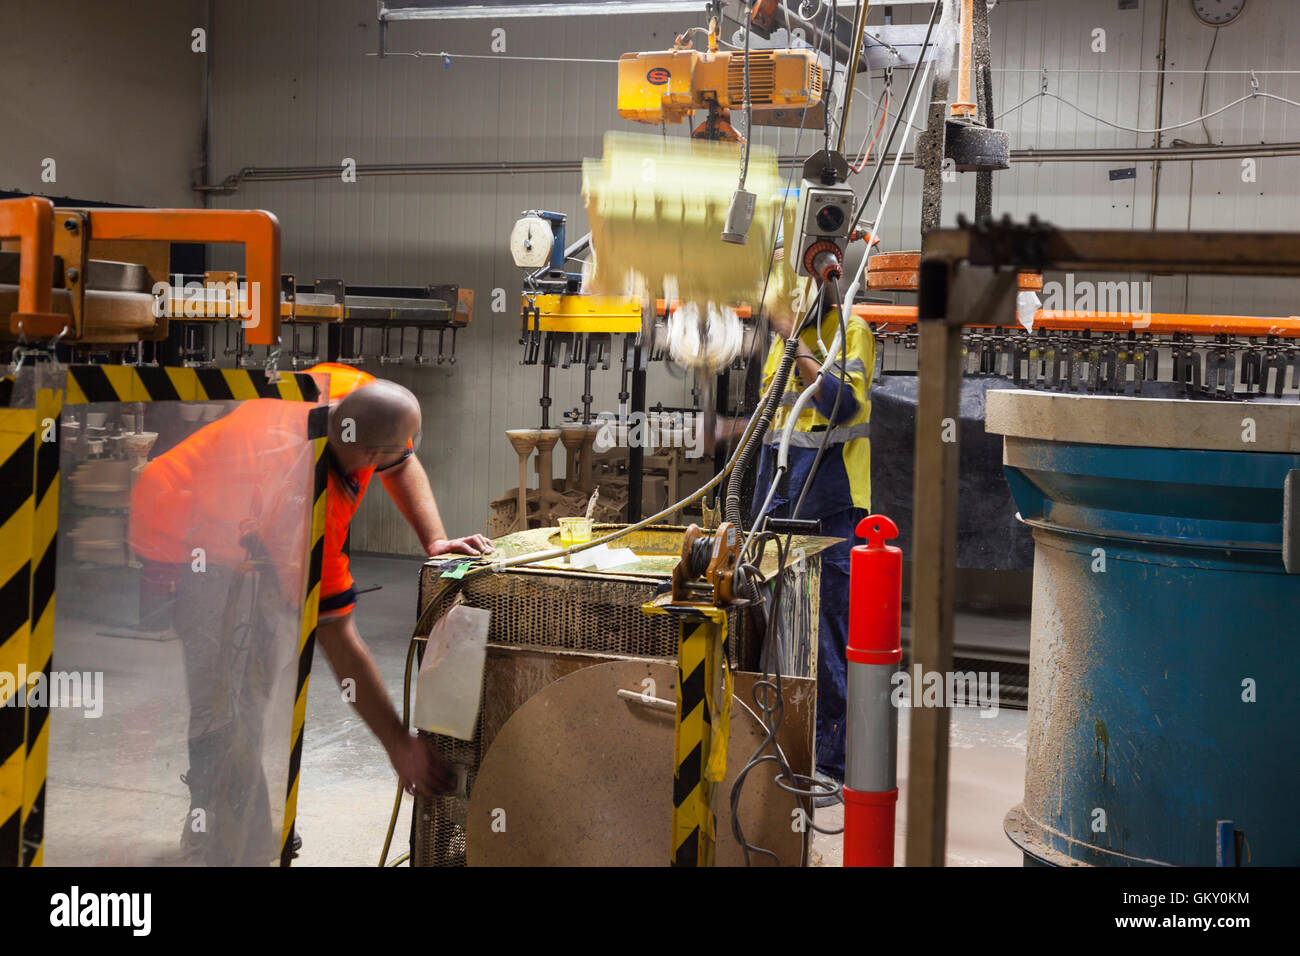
pixel 372 429
pixel 232 490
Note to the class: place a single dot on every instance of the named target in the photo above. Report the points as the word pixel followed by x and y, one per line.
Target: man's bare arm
pixel 408 486
pixel 416 762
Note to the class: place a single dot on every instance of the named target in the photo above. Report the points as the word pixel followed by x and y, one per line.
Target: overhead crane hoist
pixel 658 88
pixel 659 209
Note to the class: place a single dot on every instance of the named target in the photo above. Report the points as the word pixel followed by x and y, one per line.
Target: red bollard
pixel 874 652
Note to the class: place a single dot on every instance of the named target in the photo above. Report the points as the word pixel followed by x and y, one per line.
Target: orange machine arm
pixel 30 220
pixel 256 230
pixel 894 317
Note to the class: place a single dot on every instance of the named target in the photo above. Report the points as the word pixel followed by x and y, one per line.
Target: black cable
pixel 780 217
pixel 738 473
pixel 759 315
pixel 792 345
pixel 766 412
pixel 807 787
pixel 771 718
pixel 802 787
pixel 768 695
pixel 866 196
pixel 700 555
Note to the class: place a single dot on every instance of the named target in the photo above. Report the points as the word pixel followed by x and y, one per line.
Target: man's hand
pixel 471 544
pixel 417 763
pixel 420 767
pixel 781 322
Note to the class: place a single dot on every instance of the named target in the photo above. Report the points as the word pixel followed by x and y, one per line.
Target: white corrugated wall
pixel 102 101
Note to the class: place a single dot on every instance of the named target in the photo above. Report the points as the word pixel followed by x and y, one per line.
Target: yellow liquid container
pixel 574 531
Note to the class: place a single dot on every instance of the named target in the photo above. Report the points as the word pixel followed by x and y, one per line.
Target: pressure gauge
pixel 531 242
pixel 1218 12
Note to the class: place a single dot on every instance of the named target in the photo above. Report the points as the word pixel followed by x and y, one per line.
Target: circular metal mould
pixel 975 149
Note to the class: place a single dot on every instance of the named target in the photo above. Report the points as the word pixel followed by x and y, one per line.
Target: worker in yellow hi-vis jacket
pixel 838 493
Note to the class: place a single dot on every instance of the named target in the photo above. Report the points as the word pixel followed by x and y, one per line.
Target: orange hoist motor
pixel 666 87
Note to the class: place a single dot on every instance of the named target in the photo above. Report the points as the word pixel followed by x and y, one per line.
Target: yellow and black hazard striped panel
pixel 148 383
pixel 29 514
pixel 317 430
pixel 700 737
pixel 29 472
pixel 40 649
pixel 17 522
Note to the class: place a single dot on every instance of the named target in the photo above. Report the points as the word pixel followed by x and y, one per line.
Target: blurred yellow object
pixel 788 295
pixel 657 207
pixel 667 86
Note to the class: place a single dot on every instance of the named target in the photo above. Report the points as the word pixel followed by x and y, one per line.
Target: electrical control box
pixel 824 215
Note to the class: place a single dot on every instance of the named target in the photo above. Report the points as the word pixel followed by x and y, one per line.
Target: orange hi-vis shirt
pixel 338 594
pixel 248 472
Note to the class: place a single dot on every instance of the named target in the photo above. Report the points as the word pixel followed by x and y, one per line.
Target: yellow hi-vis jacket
pixel 843 479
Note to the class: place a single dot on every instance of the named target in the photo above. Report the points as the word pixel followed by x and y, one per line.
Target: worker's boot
pixel 200 844
pixel 191 841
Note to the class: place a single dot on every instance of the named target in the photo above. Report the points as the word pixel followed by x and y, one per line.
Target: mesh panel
pixel 594 613
pixel 438 833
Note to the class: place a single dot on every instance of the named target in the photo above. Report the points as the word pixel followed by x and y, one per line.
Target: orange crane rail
pixel 895 318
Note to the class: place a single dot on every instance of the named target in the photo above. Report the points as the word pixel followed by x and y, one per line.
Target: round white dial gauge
pixel 531 241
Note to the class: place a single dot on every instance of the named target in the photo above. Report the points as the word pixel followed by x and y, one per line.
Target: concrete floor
pixel 986 775
pixel 115 772
pixel 347 784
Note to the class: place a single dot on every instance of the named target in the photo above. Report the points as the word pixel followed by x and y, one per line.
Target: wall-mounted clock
pixel 1216 13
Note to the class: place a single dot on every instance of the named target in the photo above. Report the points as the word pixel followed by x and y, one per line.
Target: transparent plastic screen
pixel 181 577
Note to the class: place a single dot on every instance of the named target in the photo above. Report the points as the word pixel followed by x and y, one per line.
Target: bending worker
pixel 224 491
